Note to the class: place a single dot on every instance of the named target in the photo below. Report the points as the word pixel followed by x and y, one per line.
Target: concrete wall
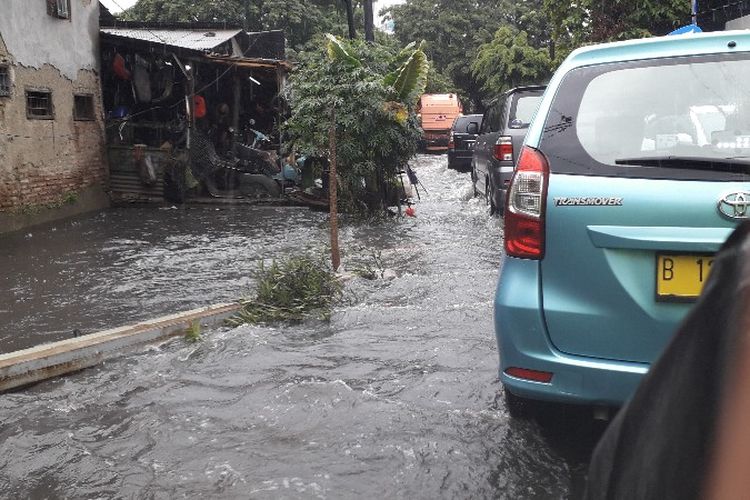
pixel 45 164
pixel 741 23
pixel 35 38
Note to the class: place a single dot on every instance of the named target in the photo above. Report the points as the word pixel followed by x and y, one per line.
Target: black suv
pixel 500 138
pixel 464 133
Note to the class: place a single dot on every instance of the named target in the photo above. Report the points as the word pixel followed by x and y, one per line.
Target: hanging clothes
pixel 119 69
pixel 142 80
pixel 199 105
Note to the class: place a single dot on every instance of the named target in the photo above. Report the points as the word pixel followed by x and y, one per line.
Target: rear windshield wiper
pixel 738 164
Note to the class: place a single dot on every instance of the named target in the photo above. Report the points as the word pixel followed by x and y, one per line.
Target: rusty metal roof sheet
pixel 192 39
pixel 250 62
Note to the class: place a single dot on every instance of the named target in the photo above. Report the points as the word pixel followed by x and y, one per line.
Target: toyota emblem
pixel 735 205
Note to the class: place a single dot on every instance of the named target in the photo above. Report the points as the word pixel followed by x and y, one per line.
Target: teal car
pixel 633 173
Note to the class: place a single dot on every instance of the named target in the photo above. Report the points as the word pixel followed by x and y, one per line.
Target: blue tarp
pixel 690 28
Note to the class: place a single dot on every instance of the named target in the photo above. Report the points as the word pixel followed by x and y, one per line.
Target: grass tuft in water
pixel 371 267
pixel 291 290
pixel 193 332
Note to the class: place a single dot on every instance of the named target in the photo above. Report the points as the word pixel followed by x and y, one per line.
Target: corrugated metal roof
pixel 186 39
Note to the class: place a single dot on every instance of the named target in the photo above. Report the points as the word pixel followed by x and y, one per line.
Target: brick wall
pixel 41 161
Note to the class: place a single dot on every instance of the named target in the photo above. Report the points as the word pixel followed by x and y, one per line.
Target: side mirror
pixel 472 128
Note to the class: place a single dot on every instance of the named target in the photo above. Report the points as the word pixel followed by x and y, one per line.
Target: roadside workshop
pixel 180 98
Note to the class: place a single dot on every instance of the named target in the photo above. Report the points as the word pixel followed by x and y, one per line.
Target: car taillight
pixel 533 375
pixel 503 150
pixel 451 144
pixel 524 211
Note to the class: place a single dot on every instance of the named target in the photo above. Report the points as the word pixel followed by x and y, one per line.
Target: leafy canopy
pixel 454 31
pixel 593 21
pixel 508 61
pixel 300 20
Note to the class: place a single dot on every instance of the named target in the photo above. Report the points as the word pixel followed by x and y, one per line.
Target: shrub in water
pixel 290 290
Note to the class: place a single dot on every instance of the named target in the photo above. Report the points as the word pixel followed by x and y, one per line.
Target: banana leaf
pixel 337 52
pixel 399 61
pixel 412 77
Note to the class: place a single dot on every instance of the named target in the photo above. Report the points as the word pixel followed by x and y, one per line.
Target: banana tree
pixel 406 83
pixel 374 92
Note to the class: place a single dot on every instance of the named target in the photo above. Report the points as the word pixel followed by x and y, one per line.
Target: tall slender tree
pixel 369 22
pixel 350 18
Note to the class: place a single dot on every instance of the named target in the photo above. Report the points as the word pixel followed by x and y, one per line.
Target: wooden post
pixel 332 192
pixel 189 98
pixel 236 103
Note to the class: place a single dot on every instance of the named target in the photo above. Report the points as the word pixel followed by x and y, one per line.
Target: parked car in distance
pixel 501 135
pixel 436 115
pixel 635 170
pixel 461 142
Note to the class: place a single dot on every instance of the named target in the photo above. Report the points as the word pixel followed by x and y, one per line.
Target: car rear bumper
pixel 500 181
pixel 436 139
pixel 459 159
pixel 523 343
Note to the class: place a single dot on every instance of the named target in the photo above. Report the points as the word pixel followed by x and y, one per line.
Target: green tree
pixel 594 21
pixel 454 31
pixel 508 61
pixel 374 91
pixel 231 11
pixel 301 20
pixel 620 19
pixel 438 83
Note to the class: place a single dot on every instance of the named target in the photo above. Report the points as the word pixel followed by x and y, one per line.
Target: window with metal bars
pixel 83 107
pixel 39 105
pixel 59 8
pixel 4 80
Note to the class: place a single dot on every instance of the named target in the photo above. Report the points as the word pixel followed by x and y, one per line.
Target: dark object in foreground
pixel 660 444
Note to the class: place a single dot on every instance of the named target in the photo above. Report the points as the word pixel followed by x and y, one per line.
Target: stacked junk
pixel 193 113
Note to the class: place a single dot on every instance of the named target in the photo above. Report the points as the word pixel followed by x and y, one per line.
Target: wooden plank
pixel 47 361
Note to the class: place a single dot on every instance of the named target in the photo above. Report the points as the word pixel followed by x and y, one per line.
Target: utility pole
pixel 369 22
pixel 695 12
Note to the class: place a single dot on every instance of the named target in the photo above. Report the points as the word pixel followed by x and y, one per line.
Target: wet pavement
pixel 396 397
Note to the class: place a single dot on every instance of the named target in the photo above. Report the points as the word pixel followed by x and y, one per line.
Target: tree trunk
pixel 247 12
pixel 350 18
pixel 369 22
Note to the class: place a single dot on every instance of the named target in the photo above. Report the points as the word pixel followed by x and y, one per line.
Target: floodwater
pixel 396 397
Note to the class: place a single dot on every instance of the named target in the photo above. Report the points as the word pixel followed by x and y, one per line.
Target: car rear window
pixel 523 109
pixel 463 121
pixel 687 107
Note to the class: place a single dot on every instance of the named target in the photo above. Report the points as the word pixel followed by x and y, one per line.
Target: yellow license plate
pixel 681 277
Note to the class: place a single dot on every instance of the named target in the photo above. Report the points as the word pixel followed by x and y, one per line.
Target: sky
pixel 116 6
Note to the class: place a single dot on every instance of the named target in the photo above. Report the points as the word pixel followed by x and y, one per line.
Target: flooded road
pixel 396 397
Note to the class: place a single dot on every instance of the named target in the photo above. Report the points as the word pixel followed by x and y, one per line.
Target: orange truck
pixel 437 112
